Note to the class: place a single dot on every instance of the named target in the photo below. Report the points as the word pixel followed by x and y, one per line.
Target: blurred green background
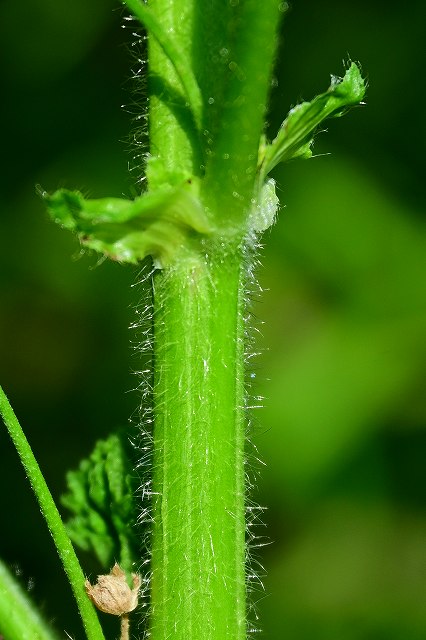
pixel 343 343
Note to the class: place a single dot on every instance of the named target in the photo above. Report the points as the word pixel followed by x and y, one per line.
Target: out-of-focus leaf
pixel 346 325
pixel 100 498
pixel 354 570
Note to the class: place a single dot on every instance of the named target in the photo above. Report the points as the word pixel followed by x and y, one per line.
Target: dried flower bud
pixel 112 594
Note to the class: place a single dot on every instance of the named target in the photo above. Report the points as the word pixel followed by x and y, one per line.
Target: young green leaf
pixel 155 224
pixel 295 137
pixel 100 497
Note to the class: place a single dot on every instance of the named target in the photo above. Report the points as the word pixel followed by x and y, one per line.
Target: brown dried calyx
pixel 112 594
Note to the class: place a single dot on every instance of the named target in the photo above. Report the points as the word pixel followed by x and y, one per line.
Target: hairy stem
pixel 198 583
pixel 124 627
pixel 173 54
pixel 174 137
pixel 53 519
pixel 232 163
pixel 198 554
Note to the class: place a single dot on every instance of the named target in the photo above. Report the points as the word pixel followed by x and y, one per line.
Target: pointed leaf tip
pixel 296 133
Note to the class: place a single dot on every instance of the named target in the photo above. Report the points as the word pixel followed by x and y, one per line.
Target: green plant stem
pixel 198 550
pixel 174 139
pixel 19 619
pixel 173 54
pixel 198 555
pixel 232 163
pixel 53 519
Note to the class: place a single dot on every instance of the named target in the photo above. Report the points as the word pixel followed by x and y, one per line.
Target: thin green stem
pixel 198 582
pixel 19 619
pixel 53 519
pixel 231 168
pixel 174 129
pixel 175 55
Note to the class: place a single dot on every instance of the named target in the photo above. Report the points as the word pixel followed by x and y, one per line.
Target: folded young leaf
pixel 295 136
pixel 100 498
pixel 156 224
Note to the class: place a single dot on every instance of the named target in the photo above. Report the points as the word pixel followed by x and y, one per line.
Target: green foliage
pixel 160 222
pixel 295 137
pixel 101 497
pixel 155 224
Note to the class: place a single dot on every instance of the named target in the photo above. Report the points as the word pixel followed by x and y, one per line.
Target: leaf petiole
pixel 53 520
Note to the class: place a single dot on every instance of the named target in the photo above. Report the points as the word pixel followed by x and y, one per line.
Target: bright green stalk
pixel 173 54
pixel 231 169
pixel 19 619
pixel 198 581
pixel 174 136
pixel 208 196
pixel 53 519
pixel 198 589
